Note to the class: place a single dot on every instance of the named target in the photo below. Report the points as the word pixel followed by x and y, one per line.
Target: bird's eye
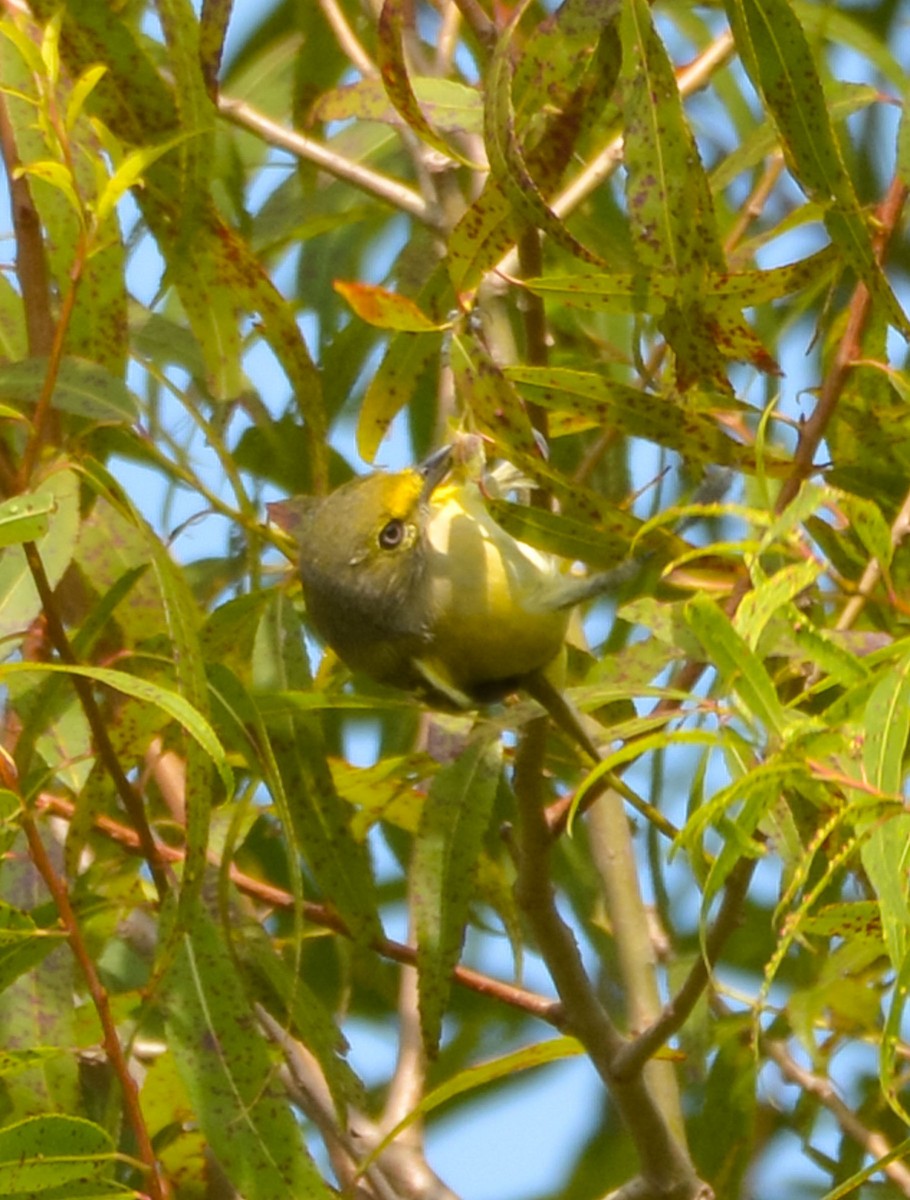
pixel 391 534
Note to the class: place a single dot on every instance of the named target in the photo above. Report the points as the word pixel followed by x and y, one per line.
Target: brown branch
pixel 820 1086
pixel 31 260
pixel 637 1052
pixel 132 802
pixel 43 411
pixel 156 1182
pixel 849 350
pixel 322 915
pixel 478 22
pixel 666 1170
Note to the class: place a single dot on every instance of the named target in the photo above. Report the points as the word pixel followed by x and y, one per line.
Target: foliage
pixel 385 227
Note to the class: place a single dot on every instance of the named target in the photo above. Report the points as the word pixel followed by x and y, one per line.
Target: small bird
pixel 409 579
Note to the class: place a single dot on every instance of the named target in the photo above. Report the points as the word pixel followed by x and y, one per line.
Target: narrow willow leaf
pixel 487 395
pixel 450 106
pixel 885 851
pixel 23 944
pixel 721 1142
pixel 170 702
pixel 687 423
pixel 768 597
pixel 537 1055
pixel 228 1074
pixel 387 310
pixel 406 359
pixel 19 601
pixel 452 825
pixel 737 665
pixel 506 159
pixel 49 1151
pixel 84 388
pixel 216 273
pixel 195 113
pixel 390 59
pixel 778 57
pixel 890 1047
pixel 552 532
pixel 308 804
pixel 565 40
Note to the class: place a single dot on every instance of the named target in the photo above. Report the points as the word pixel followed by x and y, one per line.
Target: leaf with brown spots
pixel 690 424
pixel 507 161
pixel 390 57
pixel 779 59
pixel 485 393
pixel 452 106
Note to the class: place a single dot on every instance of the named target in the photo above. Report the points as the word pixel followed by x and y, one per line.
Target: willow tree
pixel 646 257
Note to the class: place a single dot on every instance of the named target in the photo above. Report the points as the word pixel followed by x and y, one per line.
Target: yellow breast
pixel 488 594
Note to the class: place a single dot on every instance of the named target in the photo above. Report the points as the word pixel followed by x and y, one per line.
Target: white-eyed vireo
pixel 409 579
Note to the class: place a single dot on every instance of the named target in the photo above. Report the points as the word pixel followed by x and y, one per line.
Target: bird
pixel 409 579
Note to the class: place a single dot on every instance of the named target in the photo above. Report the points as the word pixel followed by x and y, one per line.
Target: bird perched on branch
pixel 409 579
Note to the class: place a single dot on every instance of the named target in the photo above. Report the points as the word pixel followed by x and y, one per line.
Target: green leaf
pixel 506 1067
pixel 448 105
pixel 769 596
pixel 46 1152
pixel 23 944
pixel 778 57
pixel 552 532
pixel 84 388
pixel 485 392
pixel 737 666
pixel 671 211
pixel 19 602
pixel 885 852
pixel 687 423
pixel 25 518
pixel 507 162
pixel 307 801
pixel 452 826
pixel 390 58
pixel 406 359
pixel 238 1101
pixel 170 702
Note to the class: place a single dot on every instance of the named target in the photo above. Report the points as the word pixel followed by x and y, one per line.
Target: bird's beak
pixel 434 469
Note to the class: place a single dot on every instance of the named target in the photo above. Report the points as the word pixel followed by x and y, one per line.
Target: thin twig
pixel 383 187
pixel 347 39
pixel 820 1086
pixel 477 20
pixel 132 802
pixel 636 1053
pixel 872 574
pixel 156 1183
pixel 848 351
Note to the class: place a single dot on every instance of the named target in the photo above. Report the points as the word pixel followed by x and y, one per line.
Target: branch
pixel 157 1184
pixel 151 850
pixel 666 1171
pixel 636 1053
pixel 614 857
pixel 320 914
pixel 820 1086
pixel 31 260
pixel 383 187
pixel 848 351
